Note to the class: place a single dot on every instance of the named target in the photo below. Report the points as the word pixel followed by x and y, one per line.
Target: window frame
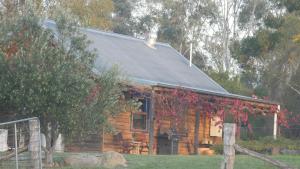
pixel 139 113
pixel 147 109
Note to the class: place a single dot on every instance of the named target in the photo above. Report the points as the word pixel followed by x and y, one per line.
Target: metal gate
pixel 20 144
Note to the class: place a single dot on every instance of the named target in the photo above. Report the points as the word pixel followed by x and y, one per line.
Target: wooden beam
pixel 196 135
pixel 262 157
pixel 13 154
pixel 151 122
pixel 204 126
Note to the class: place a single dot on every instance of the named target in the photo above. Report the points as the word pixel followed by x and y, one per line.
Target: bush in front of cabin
pixel 264 145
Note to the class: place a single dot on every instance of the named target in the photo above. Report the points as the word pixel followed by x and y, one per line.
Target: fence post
pixel 16 146
pixel 3 140
pixel 275 123
pixel 34 143
pixel 229 141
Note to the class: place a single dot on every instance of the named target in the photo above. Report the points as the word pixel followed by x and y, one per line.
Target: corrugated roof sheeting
pixel 135 59
pixel 161 65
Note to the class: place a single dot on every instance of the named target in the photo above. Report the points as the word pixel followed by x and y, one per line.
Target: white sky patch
pixel 211 32
pixel 143 8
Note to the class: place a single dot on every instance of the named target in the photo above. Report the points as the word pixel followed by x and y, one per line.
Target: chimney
pixel 151 40
pixel 191 54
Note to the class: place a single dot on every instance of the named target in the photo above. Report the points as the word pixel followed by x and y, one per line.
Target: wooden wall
pixel 91 144
pixel 122 124
pixel 186 144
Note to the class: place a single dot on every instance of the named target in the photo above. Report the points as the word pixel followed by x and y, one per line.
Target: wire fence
pixel 255 151
pixel 20 144
pixel 259 132
pixel 21 141
pixel 260 139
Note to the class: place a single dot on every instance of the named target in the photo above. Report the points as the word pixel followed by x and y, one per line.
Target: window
pixel 139 119
pixel 145 105
pixel 215 128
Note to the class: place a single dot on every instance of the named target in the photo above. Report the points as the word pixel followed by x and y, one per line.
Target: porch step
pixel 206 151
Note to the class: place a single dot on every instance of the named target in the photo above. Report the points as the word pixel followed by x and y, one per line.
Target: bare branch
pixel 293 88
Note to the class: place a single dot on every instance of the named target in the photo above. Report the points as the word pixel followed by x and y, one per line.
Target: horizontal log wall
pixel 122 123
pixel 186 144
pixel 185 147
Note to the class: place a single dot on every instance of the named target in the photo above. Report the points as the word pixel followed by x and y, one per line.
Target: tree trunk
pixel 51 135
pixel 49 157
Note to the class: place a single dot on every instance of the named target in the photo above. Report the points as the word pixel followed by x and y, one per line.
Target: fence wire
pixel 20 144
pixel 285 148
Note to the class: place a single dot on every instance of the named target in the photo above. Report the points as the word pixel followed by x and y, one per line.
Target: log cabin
pixel 155 68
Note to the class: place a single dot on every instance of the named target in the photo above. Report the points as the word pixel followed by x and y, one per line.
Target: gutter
pixel 198 90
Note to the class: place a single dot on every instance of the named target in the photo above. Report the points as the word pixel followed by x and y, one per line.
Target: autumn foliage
pixel 175 103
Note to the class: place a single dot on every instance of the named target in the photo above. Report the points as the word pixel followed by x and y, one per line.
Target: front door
pixel 166 146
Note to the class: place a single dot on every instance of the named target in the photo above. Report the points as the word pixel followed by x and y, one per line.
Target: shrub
pixel 264 144
pixel 218 148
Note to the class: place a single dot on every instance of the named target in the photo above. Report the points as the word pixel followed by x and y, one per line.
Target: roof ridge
pixel 109 33
pixel 118 35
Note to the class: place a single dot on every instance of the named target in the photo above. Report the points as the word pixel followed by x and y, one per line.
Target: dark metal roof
pixel 161 65
pixel 137 60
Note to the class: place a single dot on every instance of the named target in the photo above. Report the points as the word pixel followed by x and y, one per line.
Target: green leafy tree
pixel 181 22
pixel 231 84
pixel 123 22
pixel 50 75
pixel 269 58
pixel 290 5
pixel 109 15
pixel 95 13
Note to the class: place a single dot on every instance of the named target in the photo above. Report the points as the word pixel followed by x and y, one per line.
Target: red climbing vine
pixel 175 104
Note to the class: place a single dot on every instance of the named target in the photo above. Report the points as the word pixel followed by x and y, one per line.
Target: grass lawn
pixel 201 162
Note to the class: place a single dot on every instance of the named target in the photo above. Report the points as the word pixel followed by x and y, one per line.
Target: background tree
pixel 182 23
pixel 96 13
pixel 269 55
pixel 50 75
pixel 122 18
pixel 248 46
